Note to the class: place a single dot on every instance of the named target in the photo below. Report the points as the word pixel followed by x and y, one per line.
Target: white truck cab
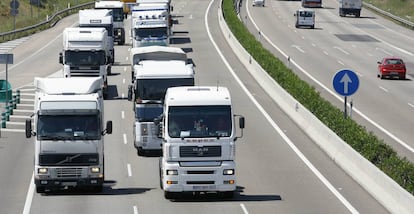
pixel 68 133
pixel 305 18
pixel 155 69
pixel 198 129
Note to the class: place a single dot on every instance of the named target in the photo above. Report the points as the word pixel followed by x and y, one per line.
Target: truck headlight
pixel 42 170
pixel 95 169
pixel 172 172
pixel 228 172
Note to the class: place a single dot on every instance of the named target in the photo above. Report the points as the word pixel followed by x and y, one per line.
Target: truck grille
pixel 69 172
pixel 68 159
pixel 203 151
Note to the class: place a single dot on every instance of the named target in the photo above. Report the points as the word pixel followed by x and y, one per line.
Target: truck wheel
pixel 40 189
pixel 141 152
pixel 227 194
pixel 170 195
pixel 358 14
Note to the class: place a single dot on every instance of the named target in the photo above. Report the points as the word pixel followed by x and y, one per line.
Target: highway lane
pixel 356 44
pixel 271 177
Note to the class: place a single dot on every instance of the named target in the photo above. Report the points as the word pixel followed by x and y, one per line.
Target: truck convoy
pixel 117 8
pixel 199 134
pixel 150 24
pixel 352 7
pixel 155 68
pixel 68 130
pixel 85 53
pixel 102 19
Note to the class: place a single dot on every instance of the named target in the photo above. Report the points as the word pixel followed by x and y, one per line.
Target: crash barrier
pixel 49 22
pixel 385 190
pixel 8 108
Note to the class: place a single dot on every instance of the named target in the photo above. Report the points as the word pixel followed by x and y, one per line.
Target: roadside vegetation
pixel 363 141
pixel 401 8
pixel 31 14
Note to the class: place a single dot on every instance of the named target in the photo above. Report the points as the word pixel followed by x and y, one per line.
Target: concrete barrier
pixel 385 190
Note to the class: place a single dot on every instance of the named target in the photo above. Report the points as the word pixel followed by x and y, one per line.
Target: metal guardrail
pixel 385 13
pixel 50 22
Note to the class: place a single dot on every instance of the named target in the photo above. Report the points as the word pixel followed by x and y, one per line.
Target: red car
pixel 391 67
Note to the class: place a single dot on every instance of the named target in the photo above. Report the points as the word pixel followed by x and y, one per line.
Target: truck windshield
pixel 154 89
pixel 199 121
pixel 68 127
pixel 118 14
pixel 150 32
pixel 147 112
pixel 85 58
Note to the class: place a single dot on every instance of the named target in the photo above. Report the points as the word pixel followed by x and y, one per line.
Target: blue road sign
pixel 345 82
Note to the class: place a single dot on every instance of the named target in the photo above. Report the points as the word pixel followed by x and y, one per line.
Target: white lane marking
pixel 125 138
pixel 340 62
pixel 384 51
pixel 129 170
pixel 29 197
pixel 411 105
pixel 369 54
pixel 378 126
pixel 298 48
pixel 338 195
pixel 326 53
pixel 384 89
pixel 135 209
pixel 35 53
pixel 126 58
pixel 123 81
pixel 340 49
pixel 123 114
pixel 244 209
pixel 122 95
pixel 313 44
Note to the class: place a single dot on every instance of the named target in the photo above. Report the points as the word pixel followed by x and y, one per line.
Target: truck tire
pixel 170 195
pixel 358 14
pixel 40 189
pixel 227 194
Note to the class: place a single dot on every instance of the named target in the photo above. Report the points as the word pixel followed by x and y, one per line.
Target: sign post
pixel 346 83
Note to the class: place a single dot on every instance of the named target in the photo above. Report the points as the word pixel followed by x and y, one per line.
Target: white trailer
pixel 102 19
pixel 155 69
pixel 117 8
pixel 85 53
pixel 351 7
pixel 199 134
pixel 151 24
pixel 68 129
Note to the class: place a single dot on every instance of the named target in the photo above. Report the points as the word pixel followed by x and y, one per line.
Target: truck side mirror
pixel 109 127
pixel 28 128
pixel 241 122
pixel 172 8
pixel 129 92
pixel 60 58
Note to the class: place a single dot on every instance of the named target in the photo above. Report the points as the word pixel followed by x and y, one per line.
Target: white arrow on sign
pixel 346 80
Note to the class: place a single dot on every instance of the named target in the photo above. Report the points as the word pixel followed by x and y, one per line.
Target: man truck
pixel 155 69
pixel 85 53
pixel 68 129
pixel 198 132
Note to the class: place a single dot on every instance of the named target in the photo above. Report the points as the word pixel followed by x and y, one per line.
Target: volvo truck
pixel 155 69
pixel 68 127
pixel 117 8
pixel 198 133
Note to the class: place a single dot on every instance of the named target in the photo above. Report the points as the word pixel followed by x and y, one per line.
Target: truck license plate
pixel 69 184
pixel 204 187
